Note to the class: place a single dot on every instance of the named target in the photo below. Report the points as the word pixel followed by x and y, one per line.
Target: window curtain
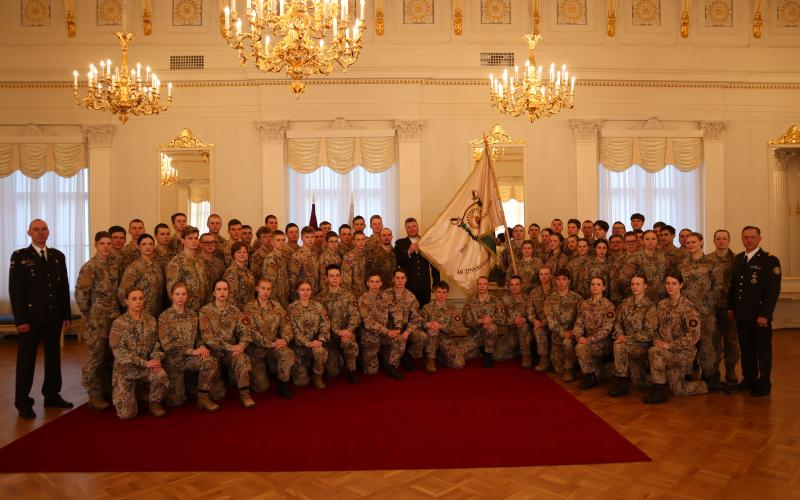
pixel 341 154
pixel 62 202
pixel 372 193
pixel 198 214
pixel 514 211
pixel 34 160
pixel 651 153
pixel 511 188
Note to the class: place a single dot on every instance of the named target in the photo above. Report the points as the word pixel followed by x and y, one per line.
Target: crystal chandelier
pixel 122 90
pixel 530 93
pixel 169 174
pixel 300 28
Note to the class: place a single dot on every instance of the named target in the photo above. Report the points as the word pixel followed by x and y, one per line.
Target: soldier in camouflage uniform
pixel 556 259
pixel 190 269
pixel 375 332
pixel 163 252
pixel 118 238
pixel 95 294
pixel 674 347
pixel 271 333
pixel 726 329
pixel 342 309
pixel 311 332
pixel 226 333
pixel 440 320
pixel 329 256
pixel 380 258
pixel 598 266
pixel 241 284
pixel 591 333
pixel 261 249
pixel 354 266
pixel 147 275
pixel 702 285
pixel 292 237
pixel 578 268
pixel 404 316
pixel 651 263
pixel 178 333
pixel 178 220
pixel 304 265
pixel 513 246
pixel 528 268
pixel 345 240
pixel 214 264
pixel 634 329
pixel 482 313
pixel 621 273
pixel 276 268
pixel 541 332
pixel 130 252
pixel 222 248
pixel 561 311
pixel 137 358
pixel 518 334
pixel 666 239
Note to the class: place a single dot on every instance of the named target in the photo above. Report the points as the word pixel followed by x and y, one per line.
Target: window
pixel 373 193
pixel 198 214
pixel 515 214
pixel 62 202
pixel 667 195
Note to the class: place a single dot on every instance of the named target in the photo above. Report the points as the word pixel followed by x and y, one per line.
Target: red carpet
pixel 500 417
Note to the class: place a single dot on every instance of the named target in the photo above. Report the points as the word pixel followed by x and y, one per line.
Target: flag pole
pixel 497 192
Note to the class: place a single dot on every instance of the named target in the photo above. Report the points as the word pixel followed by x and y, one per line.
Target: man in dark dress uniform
pixel 753 294
pixel 39 293
pixel 421 275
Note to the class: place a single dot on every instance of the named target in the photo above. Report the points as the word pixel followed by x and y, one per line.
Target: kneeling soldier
pixel 518 330
pixel 482 313
pixel 375 334
pixel 561 310
pixel 635 327
pixel 343 312
pixel 440 319
pixel 592 328
pixel 311 330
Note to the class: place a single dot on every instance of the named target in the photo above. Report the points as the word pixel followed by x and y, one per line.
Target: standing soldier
pixel 311 331
pixel 137 358
pixel 359 224
pixel 226 333
pixel 354 266
pixel 380 257
pixel 666 243
pixel 528 268
pixel 177 331
pixel 634 329
pixel 292 235
pixel 419 271
pixel 271 333
pixel 241 284
pixel 214 264
pixel 118 238
pixel 556 259
pixel 276 268
pixel 222 248
pixel 345 239
pixel 598 266
pixel 190 269
pixel 147 275
pixel 261 249
pixel 440 320
pixel 404 317
pixel 178 223
pixel 304 265
pixel 130 252
pixel 163 252
pixel 726 329
pixel 755 287
pixel 536 316
pixel 39 292
pixel 319 241
pixel 621 273
pixel 96 296
pixel 342 310
pixel 651 263
pixel 561 311
pixel 518 330
pixel 482 313
pixel 376 225
pixel 329 256
pixel 579 270
pixel 592 327
pixel 375 333
pixel 515 245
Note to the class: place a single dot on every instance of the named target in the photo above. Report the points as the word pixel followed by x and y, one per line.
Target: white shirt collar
pixel 39 249
pixel 750 255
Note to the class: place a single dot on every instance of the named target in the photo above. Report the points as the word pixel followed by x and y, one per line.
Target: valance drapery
pixel 36 159
pixel 341 154
pixel 651 153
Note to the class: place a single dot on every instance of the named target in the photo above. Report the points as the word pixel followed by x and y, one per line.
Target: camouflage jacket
pixel 381 262
pixel 556 261
pixel 561 312
pixel 327 258
pixel 353 269
pixel 726 266
pixel 637 320
pixel 178 332
pixel 515 307
pixel 129 254
pixel 221 329
pixel 621 275
pixel 304 266
pixel 448 316
pixel 536 301
pixel 257 259
pixel 96 288
pixel 175 244
pixel 215 270
pixel 595 320
pixel 276 268
pixel 654 267
pixel 579 270
pixel 475 309
pixel 309 322
pixel 134 343
pixel 267 323
pixel 597 268
pixel 528 271
pixel 192 271
pixel 346 248
pixel 374 311
pixel 241 285
pixel 342 309
pixel 149 276
pixel 703 282
pixel 678 324
pixel 403 310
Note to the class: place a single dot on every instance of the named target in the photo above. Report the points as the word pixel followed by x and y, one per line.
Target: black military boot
pixel 620 387
pixel 658 394
pixel 393 372
pixel 487 360
pixel 408 363
pixel 352 377
pixel 715 384
pixel 589 381
pixel 283 390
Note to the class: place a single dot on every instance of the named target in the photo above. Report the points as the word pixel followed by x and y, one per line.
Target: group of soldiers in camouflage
pixel 233 312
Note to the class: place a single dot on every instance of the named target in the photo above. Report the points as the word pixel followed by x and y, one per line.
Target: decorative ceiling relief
pixel 646 12
pixel 719 13
pixel 34 13
pixel 418 12
pixel 788 14
pixel 109 12
pixel 187 13
pixel 572 12
pixel 495 11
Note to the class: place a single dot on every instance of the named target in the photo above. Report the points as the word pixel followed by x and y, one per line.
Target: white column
pixel 777 239
pixel 100 138
pixel 409 176
pixel 273 170
pixel 714 139
pixel 585 134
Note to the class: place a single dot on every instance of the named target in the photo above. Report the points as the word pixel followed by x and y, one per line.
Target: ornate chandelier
pixel 516 94
pixel 169 174
pixel 122 91
pixel 300 28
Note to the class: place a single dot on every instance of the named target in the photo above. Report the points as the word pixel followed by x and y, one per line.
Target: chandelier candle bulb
pixel 75 75
pixel 169 89
pixel 362 10
pixel 227 12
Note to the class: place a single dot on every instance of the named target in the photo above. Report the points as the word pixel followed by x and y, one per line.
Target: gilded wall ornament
pixel 646 13
pixel 788 13
pixel 719 13
pixel 109 12
pixel 572 12
pixel 495 12
pixel 187 13
pixel 418 12
pixel 185 139
pixel 34 13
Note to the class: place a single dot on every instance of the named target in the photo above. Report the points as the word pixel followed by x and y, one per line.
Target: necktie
pixel 44 256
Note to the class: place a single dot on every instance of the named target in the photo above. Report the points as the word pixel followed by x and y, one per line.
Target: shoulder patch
pixel 457 317
pixel 693 323
pixel 776 270
pixel 610 314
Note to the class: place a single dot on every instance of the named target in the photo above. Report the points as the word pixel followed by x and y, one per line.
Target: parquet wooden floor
pixel 706 447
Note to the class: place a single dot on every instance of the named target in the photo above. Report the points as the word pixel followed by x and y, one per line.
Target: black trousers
pixel 755 342
pixel 27 347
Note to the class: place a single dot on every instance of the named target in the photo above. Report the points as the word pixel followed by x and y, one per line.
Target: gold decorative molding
pixel 458 22
pixel 147 22
pixel 185 140
pixel 497 135
pixel 379 22
pixel 611 29
pixel 685 19
pixel 758 21
pixel 72 28
pixel 792 136
pixel 537 17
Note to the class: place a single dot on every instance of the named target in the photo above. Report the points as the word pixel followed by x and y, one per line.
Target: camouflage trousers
pixel 419 343
pixel 486 337
pixel 570 358
pixel 282 358
pixel 669 366
pixel 726 330
pixel 629 358
pixel 371 343
pixel 515 341
pixel 709 347
pixel 590 355
pixel 238 370
pixel 542 336
pixel 303 357
pixel 178 364
pixel 341 355
pixel 96 373
pixel 446 350
pixel 125 379
pixel 557 352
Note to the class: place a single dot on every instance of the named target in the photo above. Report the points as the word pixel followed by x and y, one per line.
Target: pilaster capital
pixel 714 131
pixel 585 130
pixel 272 131
pixel 409 130
pixel 785 157
pixel 99 136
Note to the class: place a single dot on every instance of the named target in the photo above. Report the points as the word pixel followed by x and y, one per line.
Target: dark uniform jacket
pixel 418 270
pixel 755 286
pixel 39 290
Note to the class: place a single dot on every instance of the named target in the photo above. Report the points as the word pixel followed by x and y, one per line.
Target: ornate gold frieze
pixel 792 136
pixel 185 140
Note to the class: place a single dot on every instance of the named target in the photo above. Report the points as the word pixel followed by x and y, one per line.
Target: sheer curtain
pixel 198 215
pixel 373 193
pixel 668 195
pixel 62 202
pixel 515 214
